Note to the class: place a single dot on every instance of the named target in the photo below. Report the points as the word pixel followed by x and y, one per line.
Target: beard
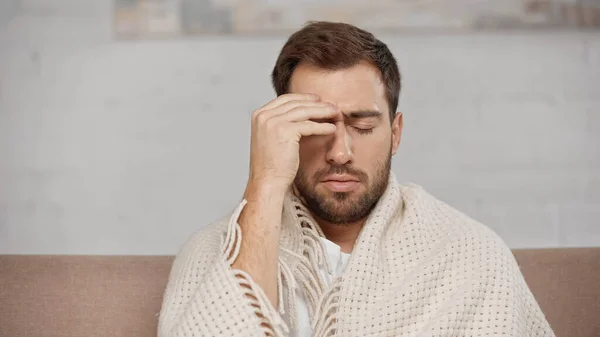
pixel 342 208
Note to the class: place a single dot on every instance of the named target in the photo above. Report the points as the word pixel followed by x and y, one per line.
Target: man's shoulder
pixel 452 235
pixel 446 222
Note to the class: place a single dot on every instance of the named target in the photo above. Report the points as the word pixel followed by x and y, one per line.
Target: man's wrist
pixel 261 190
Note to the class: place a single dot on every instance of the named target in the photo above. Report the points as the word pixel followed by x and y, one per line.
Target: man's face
pixel 342 176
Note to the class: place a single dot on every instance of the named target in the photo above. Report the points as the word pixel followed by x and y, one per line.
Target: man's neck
pixel 343 235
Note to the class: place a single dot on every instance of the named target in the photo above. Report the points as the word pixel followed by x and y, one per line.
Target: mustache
pixel 341 170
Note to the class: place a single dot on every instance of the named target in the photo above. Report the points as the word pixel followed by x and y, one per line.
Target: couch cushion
pixel 91 296
pixel 566 284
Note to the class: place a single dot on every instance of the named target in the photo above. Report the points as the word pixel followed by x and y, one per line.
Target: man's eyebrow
pixel 363 114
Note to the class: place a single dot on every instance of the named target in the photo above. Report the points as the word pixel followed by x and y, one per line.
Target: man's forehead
pixel 357 106
pixel 352 89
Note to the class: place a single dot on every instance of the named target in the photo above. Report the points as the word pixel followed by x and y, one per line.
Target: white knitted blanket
pixel 418 268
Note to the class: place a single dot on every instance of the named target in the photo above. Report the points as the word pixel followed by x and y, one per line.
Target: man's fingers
pixel 304 113
pixel 310 128
pixel 288 107
pixel 287 98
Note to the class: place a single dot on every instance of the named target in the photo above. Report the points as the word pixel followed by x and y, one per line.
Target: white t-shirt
pixel 338 261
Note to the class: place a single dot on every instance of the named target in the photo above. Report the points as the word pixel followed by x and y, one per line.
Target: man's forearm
pixel 260 223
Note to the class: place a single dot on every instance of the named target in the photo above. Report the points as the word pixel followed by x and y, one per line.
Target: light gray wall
pixel 129 147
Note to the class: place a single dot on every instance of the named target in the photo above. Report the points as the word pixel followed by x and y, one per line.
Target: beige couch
pixel 105 296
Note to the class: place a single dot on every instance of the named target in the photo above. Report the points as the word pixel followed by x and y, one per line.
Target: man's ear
pixel 396 132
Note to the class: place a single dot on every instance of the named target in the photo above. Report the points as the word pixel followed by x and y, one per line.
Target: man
pixel 326 242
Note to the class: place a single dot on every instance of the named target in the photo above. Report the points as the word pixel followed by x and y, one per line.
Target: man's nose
pixel 339 150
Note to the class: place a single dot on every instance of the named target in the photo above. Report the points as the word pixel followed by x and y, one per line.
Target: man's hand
pixel 276 131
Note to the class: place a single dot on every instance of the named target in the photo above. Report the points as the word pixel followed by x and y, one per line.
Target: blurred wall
pixel 129 147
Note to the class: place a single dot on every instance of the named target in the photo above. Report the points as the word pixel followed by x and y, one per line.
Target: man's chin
pixel 334 211
pixel 333 207
pixel 339 199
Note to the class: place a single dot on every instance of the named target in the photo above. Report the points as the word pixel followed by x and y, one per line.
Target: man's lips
pixel 340 178
pixel 341 183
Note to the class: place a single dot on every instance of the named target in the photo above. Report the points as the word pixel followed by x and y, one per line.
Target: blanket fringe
pixel 305 275
pixel 313 256
pixel 326 314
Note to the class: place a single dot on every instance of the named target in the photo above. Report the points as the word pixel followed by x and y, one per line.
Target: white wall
pixel 129 147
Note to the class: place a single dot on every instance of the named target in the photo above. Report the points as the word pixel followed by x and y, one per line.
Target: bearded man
pixel 325 240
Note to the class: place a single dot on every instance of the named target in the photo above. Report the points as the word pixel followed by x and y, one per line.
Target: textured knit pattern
pixel 418 268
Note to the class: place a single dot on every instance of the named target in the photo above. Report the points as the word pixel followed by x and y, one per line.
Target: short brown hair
pixel 334 46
